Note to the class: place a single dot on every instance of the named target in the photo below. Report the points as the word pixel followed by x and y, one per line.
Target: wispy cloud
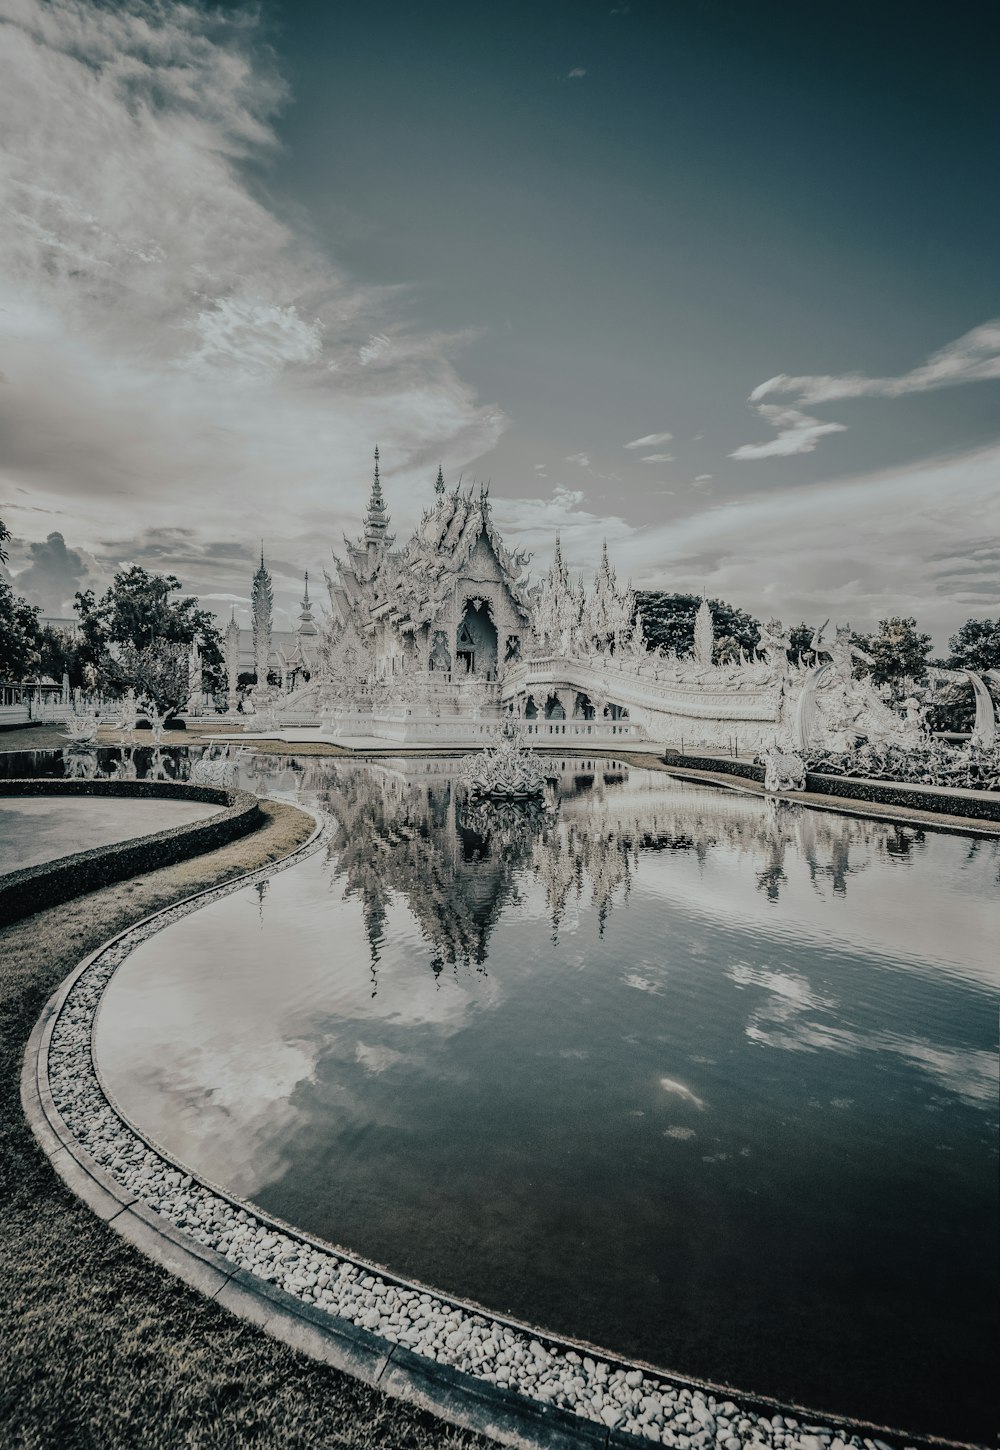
pixel 657 458
pixel 582 459
pixel 173 347
pixel 650 440
pixel 797 433
pixel 973 357
pixel 577 73
pixel 532 523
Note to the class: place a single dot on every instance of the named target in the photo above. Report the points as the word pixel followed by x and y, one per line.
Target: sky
pixel 715 281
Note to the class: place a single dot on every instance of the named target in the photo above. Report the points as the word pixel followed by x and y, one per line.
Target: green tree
pixel 18 626
pixel 18 635
pixel 60 655
pixel 137 612
pixel 158 672
pixel 668 620
pixel 976 646
pixel 899 653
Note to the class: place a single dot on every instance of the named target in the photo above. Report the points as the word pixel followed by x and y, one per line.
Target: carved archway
pixel 476 641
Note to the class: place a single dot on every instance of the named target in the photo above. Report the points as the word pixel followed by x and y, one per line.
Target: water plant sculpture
pixel 504 771
pixel 82 725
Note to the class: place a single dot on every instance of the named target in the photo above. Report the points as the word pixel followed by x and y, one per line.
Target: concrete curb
pixel 36 888
pixel 460 1398
pixel 847 792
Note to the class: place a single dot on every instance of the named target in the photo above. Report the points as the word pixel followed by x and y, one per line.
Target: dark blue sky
pixel 731 191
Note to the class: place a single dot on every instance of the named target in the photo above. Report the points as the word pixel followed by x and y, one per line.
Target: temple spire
pixel 307 624
pixel 439 483
pixel 376 519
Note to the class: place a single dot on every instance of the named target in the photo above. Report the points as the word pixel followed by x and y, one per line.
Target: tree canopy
pixel 135 634
pixel 18 635
pixel 18 627
pixel 668 620
pixel 899 653
pixel 976 646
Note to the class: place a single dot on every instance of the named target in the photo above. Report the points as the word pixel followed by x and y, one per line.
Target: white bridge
pixel 720 707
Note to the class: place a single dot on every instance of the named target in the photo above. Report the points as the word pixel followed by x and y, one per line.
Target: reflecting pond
pixel 702 1078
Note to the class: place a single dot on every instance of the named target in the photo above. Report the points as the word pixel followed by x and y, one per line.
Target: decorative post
pixel 232 647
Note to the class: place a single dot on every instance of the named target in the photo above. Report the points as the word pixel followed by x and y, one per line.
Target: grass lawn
pixel 99 1347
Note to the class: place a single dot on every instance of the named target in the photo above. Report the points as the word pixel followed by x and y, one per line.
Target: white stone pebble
pixel 619 1397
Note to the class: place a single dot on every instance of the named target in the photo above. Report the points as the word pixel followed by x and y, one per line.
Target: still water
pixel 698 1077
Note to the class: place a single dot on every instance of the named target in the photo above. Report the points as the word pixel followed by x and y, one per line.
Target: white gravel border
pixel 613 1393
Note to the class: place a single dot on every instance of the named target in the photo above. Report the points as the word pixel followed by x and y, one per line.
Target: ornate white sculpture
pixel 704 636
pixel 267 717
pixel 157 719
pixel 83 724
pixel 775 642
pixel 505 771
pixel 128 713
pixel 783 770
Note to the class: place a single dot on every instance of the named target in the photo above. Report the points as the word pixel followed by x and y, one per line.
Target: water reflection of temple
pixel 405 828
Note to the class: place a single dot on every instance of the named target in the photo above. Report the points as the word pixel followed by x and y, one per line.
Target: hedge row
pixel 983 806
pixel 36 888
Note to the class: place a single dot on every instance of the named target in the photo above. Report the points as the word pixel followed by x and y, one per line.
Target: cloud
pixel 532 523
pixel 973 357
pixel 175 348
pixel 583 459
pixel 253 338
pixel 649 441
pixel 657 458
pixel 52 575
pixel 797 433
pixel 374 349
pixel 891 542
pixel 577 73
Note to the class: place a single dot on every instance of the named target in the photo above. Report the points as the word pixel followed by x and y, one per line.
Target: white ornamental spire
pixel 704 634
pixel 307 625
pixel 232 652
pixel 261 607
pixel 377 519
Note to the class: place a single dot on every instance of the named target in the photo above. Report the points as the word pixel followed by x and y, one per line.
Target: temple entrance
pixel 476 641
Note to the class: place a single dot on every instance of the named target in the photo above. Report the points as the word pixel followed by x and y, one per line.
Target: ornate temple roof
pixel 413 585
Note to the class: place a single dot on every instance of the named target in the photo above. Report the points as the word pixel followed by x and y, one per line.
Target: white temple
pixel 439 639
